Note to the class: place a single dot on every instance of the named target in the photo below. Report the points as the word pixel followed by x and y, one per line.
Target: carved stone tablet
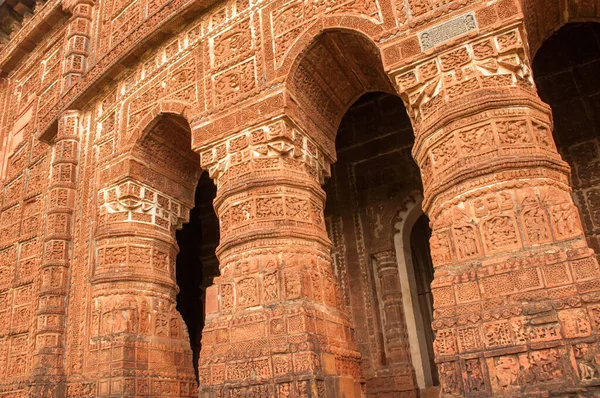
pixel 447 30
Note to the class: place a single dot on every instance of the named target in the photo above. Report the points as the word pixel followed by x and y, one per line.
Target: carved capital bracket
pixel 133 202
pixel 491 64
pixel 462 139
pixel 277 143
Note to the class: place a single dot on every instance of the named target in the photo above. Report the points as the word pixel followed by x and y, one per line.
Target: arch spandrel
pixel 320 114
pixel 394 48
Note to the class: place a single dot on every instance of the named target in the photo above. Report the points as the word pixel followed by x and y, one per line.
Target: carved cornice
pixel 30 34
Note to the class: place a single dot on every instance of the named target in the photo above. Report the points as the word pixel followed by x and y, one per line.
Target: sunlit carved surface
pixel 111 110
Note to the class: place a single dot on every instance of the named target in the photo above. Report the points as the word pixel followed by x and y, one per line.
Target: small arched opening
pixel 411 244
pixel 165 149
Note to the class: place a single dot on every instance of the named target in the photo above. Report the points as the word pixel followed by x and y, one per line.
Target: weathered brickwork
pixel 327 127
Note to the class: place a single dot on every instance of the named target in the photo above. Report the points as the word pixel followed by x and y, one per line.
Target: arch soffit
pixel 327 23
pixel 538 44
pixel 187 185
pixel 360 27
pixel 145 124
pixel 542 20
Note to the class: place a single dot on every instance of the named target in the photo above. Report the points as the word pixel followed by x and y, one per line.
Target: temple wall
pixel 110 110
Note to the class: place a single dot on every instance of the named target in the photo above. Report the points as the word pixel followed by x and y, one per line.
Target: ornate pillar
pixel 401 374
pixel 48 374
pixel 516 289
pixel 138 343
pixel 78 42
pixel 275 320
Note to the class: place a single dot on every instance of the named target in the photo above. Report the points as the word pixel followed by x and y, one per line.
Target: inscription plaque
pixel 447 31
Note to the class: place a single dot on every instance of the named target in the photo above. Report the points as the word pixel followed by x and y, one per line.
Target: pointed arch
pixel 543 18
pixel 151 118
pixel 327 23
pixel 329 73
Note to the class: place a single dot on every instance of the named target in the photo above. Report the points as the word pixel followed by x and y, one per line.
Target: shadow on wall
pixel 567 74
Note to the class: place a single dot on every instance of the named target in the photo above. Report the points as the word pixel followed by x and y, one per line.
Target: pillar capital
pixel 236 156
pixel 444 86
pixel 477 118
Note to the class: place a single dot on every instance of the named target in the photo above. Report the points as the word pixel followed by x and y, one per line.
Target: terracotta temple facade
pixel 299 198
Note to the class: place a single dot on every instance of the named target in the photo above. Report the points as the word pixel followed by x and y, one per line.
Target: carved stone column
pixel 516 289
pixel 275 320
pixel 401 371
pixel 138 343
pixel 48 373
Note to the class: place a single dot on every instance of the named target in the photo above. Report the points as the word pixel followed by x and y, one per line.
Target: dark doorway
pixel 566 69
pixel 421 259
pixel 197 263
pixel 373 176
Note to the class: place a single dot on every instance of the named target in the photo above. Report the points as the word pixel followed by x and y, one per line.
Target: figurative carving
pixel 112 109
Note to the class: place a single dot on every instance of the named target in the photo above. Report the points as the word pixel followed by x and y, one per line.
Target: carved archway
pixel 338 69
pixel 144 197
pixel 329 74
pixel 326 23
pixel 177 109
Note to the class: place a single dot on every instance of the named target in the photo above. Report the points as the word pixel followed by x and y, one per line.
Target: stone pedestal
pixel 275 320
